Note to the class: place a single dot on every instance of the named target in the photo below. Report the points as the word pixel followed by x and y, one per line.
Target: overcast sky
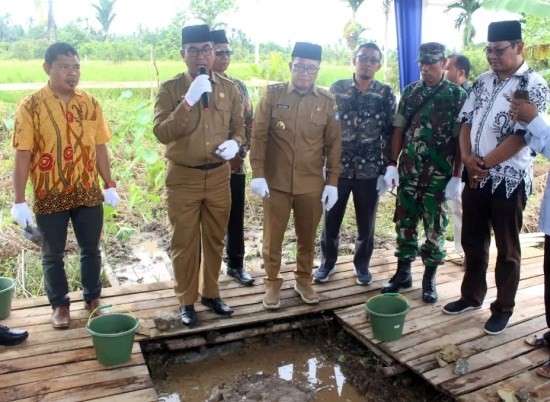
pixel 280 21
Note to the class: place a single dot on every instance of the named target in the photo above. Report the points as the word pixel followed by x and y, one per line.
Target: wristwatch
pixel 110 184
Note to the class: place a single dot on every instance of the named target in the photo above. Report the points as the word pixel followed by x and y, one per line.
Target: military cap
pixel 504 31
pixel 430 52
pixel 218 36
pixel 195 34
pixel 307 51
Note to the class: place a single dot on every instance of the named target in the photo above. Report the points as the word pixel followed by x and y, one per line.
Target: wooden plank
pixel 528 381
pixel 21 364
pixel 144 395
pixel 505 369
pixel 71 382
pixel 62 370
pixel 125 389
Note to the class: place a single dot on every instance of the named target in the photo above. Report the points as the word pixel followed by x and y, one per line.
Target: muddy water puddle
pixel 297 362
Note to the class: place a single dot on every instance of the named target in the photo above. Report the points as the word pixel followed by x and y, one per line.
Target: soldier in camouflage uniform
pixel 234 239
pixel 366 108
pixel 425 141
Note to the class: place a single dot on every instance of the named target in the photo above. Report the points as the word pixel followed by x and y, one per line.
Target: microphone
pixel 204 96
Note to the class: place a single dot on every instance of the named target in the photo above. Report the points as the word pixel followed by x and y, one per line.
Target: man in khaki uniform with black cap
pixel 294 134
pixel 499 173
pixel 198 116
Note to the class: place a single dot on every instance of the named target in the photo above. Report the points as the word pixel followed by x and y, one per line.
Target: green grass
pixel 16 71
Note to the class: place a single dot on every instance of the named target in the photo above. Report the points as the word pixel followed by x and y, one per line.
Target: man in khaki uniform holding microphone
pixel 294 134
pixel 198 117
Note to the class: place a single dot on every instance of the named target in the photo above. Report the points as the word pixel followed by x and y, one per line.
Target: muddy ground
pixel 361 368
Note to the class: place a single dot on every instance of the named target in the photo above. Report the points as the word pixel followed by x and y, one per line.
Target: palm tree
pixel 353 30
pixel 105 15
pixel 464 19
pixel 211 12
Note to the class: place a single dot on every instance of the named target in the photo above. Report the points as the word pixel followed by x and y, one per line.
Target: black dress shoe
pixel 240 276
pixel 217 305
pixel 11 337
pixel 188 315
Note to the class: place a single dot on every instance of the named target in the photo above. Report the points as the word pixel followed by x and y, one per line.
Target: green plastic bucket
pixel 7 287
pixel 387 315
pixel 113 336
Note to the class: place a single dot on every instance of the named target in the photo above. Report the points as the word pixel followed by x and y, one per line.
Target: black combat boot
pixel 401 280
pixel 429 294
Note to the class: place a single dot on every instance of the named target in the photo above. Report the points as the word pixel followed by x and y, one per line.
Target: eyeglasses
pixel 367 59
pixel 224 52
pixel 300 68
pixel 194 51
pixel 496 50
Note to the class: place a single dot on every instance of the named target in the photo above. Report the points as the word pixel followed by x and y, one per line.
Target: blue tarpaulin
pixel 408 18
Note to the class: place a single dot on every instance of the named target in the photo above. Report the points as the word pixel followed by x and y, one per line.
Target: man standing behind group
pixel 457 70
pixel 425 140
pixel 60 137
pixel 499 167
pixel 234 239
pixel 199 139
pixel 294 133
pixel 366 109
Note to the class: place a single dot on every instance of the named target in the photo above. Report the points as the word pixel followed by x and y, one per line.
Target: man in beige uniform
pixel 294 134
pixel 200 137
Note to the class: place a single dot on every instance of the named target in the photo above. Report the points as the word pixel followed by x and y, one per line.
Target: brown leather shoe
pixel 61 317
pixel 94 304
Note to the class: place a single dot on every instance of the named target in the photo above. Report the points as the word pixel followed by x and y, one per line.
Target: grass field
pixel 16 71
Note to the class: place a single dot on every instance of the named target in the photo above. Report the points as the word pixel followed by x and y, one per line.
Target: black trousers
pixel 481 212
pixel 365 201
pixel 87 225
pixel 547 278
pixel 234 239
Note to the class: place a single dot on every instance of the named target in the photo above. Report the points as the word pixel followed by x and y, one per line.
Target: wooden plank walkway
pixel 60 364
pixel 495 362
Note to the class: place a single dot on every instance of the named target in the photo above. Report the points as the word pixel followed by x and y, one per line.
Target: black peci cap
pixel 195 34
pixel 504 31
pixel 218 36
pixel 307 51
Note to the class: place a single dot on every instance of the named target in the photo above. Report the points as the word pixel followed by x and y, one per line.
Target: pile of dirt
pixel 261 388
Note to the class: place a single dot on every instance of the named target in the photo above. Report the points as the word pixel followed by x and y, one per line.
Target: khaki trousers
pixel 198 203
pixel 307 210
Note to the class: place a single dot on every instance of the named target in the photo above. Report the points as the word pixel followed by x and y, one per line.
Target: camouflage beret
pixel 430 52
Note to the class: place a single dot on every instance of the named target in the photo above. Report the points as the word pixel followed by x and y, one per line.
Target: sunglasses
pixel 224 52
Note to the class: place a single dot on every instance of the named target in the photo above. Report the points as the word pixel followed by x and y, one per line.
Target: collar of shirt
pixel 518 73
pixel 48 93
pixel 314 90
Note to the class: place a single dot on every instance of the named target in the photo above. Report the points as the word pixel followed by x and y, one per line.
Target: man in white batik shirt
pixel 498 173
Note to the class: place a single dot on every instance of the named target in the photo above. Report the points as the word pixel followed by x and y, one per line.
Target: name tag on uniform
pixel 281 106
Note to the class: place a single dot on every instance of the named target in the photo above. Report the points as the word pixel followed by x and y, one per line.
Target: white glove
pixel 391 177
pixel 22 214
pixel 329 197
pixel 111 197
pixel 453 189
pixel 259 187
pixel 381 186
pixel 200 85
pixel 227 149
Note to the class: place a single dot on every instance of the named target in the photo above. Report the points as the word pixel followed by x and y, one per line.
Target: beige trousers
pixel 198 203
pixel 307 209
